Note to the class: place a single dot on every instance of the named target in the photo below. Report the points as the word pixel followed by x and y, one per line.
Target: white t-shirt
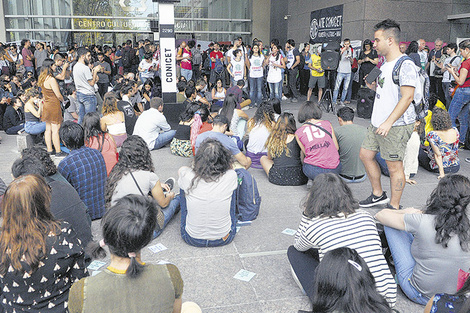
pixel 149 125
pixel 81 76
pixel 446 77
pixel 230 52
pixel 388 93
pixel 274 73
pixel 238 69
pixel 146 66
pixel 258 136
pixel 423 58
pixel 344 65
pixel 208 204
pixel 126 185
pixel 256 66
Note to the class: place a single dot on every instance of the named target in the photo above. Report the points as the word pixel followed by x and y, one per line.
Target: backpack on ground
pixel 249 200
pixel 421 95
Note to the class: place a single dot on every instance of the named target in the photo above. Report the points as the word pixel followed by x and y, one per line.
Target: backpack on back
pixel 127 58
pixel 421 94
pixel 249 200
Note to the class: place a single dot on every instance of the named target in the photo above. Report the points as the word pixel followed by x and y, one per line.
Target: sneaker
pixel 389 206
pixel 284 98
pixel 170 182
pixel 294 100
pixel 373 200
pixel 246 108
pixel 467 160
pixel 61 154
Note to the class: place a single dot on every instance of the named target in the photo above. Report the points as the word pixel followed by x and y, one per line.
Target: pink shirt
pixel 26 52
pixel 320 149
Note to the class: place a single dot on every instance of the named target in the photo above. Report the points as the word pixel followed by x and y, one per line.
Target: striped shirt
pixel 358 231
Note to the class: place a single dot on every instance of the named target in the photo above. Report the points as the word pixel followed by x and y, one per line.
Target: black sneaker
pixel 389 206
pixel 374 200
pixel 170 182
pixel 61 154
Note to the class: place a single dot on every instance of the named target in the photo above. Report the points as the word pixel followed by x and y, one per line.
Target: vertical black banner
pixel 326 24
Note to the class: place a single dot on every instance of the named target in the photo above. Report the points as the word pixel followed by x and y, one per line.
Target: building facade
pixel 428 19
pixel 115 21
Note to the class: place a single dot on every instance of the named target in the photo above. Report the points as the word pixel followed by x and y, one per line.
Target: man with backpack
pixel 128 56
pixel 393 117
pixel 217 65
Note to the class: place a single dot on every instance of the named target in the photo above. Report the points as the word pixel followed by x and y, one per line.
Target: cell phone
pixel 373 75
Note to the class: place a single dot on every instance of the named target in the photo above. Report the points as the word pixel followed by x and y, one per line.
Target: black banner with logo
pixel 326 24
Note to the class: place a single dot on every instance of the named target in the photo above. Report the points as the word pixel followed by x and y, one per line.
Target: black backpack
pixel 127 58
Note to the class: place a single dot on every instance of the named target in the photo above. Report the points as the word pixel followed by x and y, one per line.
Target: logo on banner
pixel 314 29
pixel 326 24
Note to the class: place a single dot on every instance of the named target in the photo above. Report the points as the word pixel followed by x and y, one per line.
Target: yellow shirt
pixel 428 127
pixel 316 63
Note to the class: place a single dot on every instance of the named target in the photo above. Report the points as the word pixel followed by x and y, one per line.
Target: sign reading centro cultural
pixel 326 24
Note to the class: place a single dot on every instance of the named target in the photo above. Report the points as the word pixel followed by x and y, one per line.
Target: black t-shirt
pixel 129 115
pixel 366 67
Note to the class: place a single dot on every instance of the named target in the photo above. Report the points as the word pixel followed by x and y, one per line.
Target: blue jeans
pixel 86 103
pixel 14 129
pixel 461 97
pixel 345 78
pixel 312 171
pixel 168 213
pixel 256 94
pixel 188 74
pixel 275 90
pixel 164 139
pixel 35 128
pixel 399 242
pixel 349 95
pixel 205 242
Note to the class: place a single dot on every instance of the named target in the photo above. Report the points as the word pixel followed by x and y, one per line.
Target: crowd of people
pixel 99 112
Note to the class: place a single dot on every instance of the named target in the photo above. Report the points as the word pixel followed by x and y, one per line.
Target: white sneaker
pixel 284 98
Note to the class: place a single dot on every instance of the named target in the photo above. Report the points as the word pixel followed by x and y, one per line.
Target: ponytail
pixel 135 268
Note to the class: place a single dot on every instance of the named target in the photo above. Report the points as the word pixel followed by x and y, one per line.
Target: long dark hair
pixel 188 114
pixel 92 128
pixel 412 48
pixel 127 228
pixel 344 283
pixel 134 155
pixel 230 104
pixel 212 160
pixel 448 203
pixel 263 115
pixel 328 197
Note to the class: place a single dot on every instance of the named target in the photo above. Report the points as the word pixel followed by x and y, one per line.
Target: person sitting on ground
pixel 237 91
pixel 113 120
pixel 237 117
pixel 191 94
pixel 447 303
pixel 282 164
pixel 84 168
pixel 147 94
pixel 344 283
pixel 200 88
pixel 189 120
pixel 153 127
pixel 128 284
pixel 331 219
pixel 135 174
pixel 350 137
pixel 318 142
pixel 259 129
pixel 71 113
pixel 208 196
pixel 125 106
pixel 218 94
pixel 66 204
pixel 97 139
pixel 41 256
pixel 442 154
pixel 430 247
pixel 13 120
pixel 32 113
pixel 180 96
pixel 219 127
pixel 276 104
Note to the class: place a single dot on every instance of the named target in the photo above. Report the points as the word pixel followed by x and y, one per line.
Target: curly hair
pixel 212 160
pixel 328 197
pixel 276 142
pixel 43 156
pixel 134 155
pixel 440 119
pixel 449 202
pixel 263 115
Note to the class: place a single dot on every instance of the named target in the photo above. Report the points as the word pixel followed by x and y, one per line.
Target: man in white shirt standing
pixel 85 80
pixel 153 127
pixel 392 119
pixel 344 71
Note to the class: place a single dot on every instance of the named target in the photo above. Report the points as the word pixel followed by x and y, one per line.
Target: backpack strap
pixel 135 181
pixel 317 126
pixel 397 67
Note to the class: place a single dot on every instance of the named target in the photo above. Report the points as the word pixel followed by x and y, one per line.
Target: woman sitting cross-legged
pixel 442 154
pixel 134 173
pixel 331 220
pixel 344 283
pixel 282 164
pixel 128 284
pixel 208 197
pixel 430 247
pixel 188 130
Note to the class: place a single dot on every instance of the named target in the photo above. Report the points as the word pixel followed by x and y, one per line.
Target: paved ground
pixel 259 248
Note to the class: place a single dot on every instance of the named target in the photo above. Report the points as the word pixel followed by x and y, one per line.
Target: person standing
pixel 435 59
pixel 255 64
pixel 368 59
pixel 85 80
pixel 217 64
pixel 293 60
pixel 392 119
pixel 453 61
pixel 103 74
pixel 40 55
pixel 27 55
pixel 197 61
pixel 304 69
pixel 317 74
pixel 423 55
pixel 344 71
pixel 276 63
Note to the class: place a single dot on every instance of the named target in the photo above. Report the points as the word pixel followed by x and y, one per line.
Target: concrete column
pixel 166 20
pixel 261 20
pixel 3 33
